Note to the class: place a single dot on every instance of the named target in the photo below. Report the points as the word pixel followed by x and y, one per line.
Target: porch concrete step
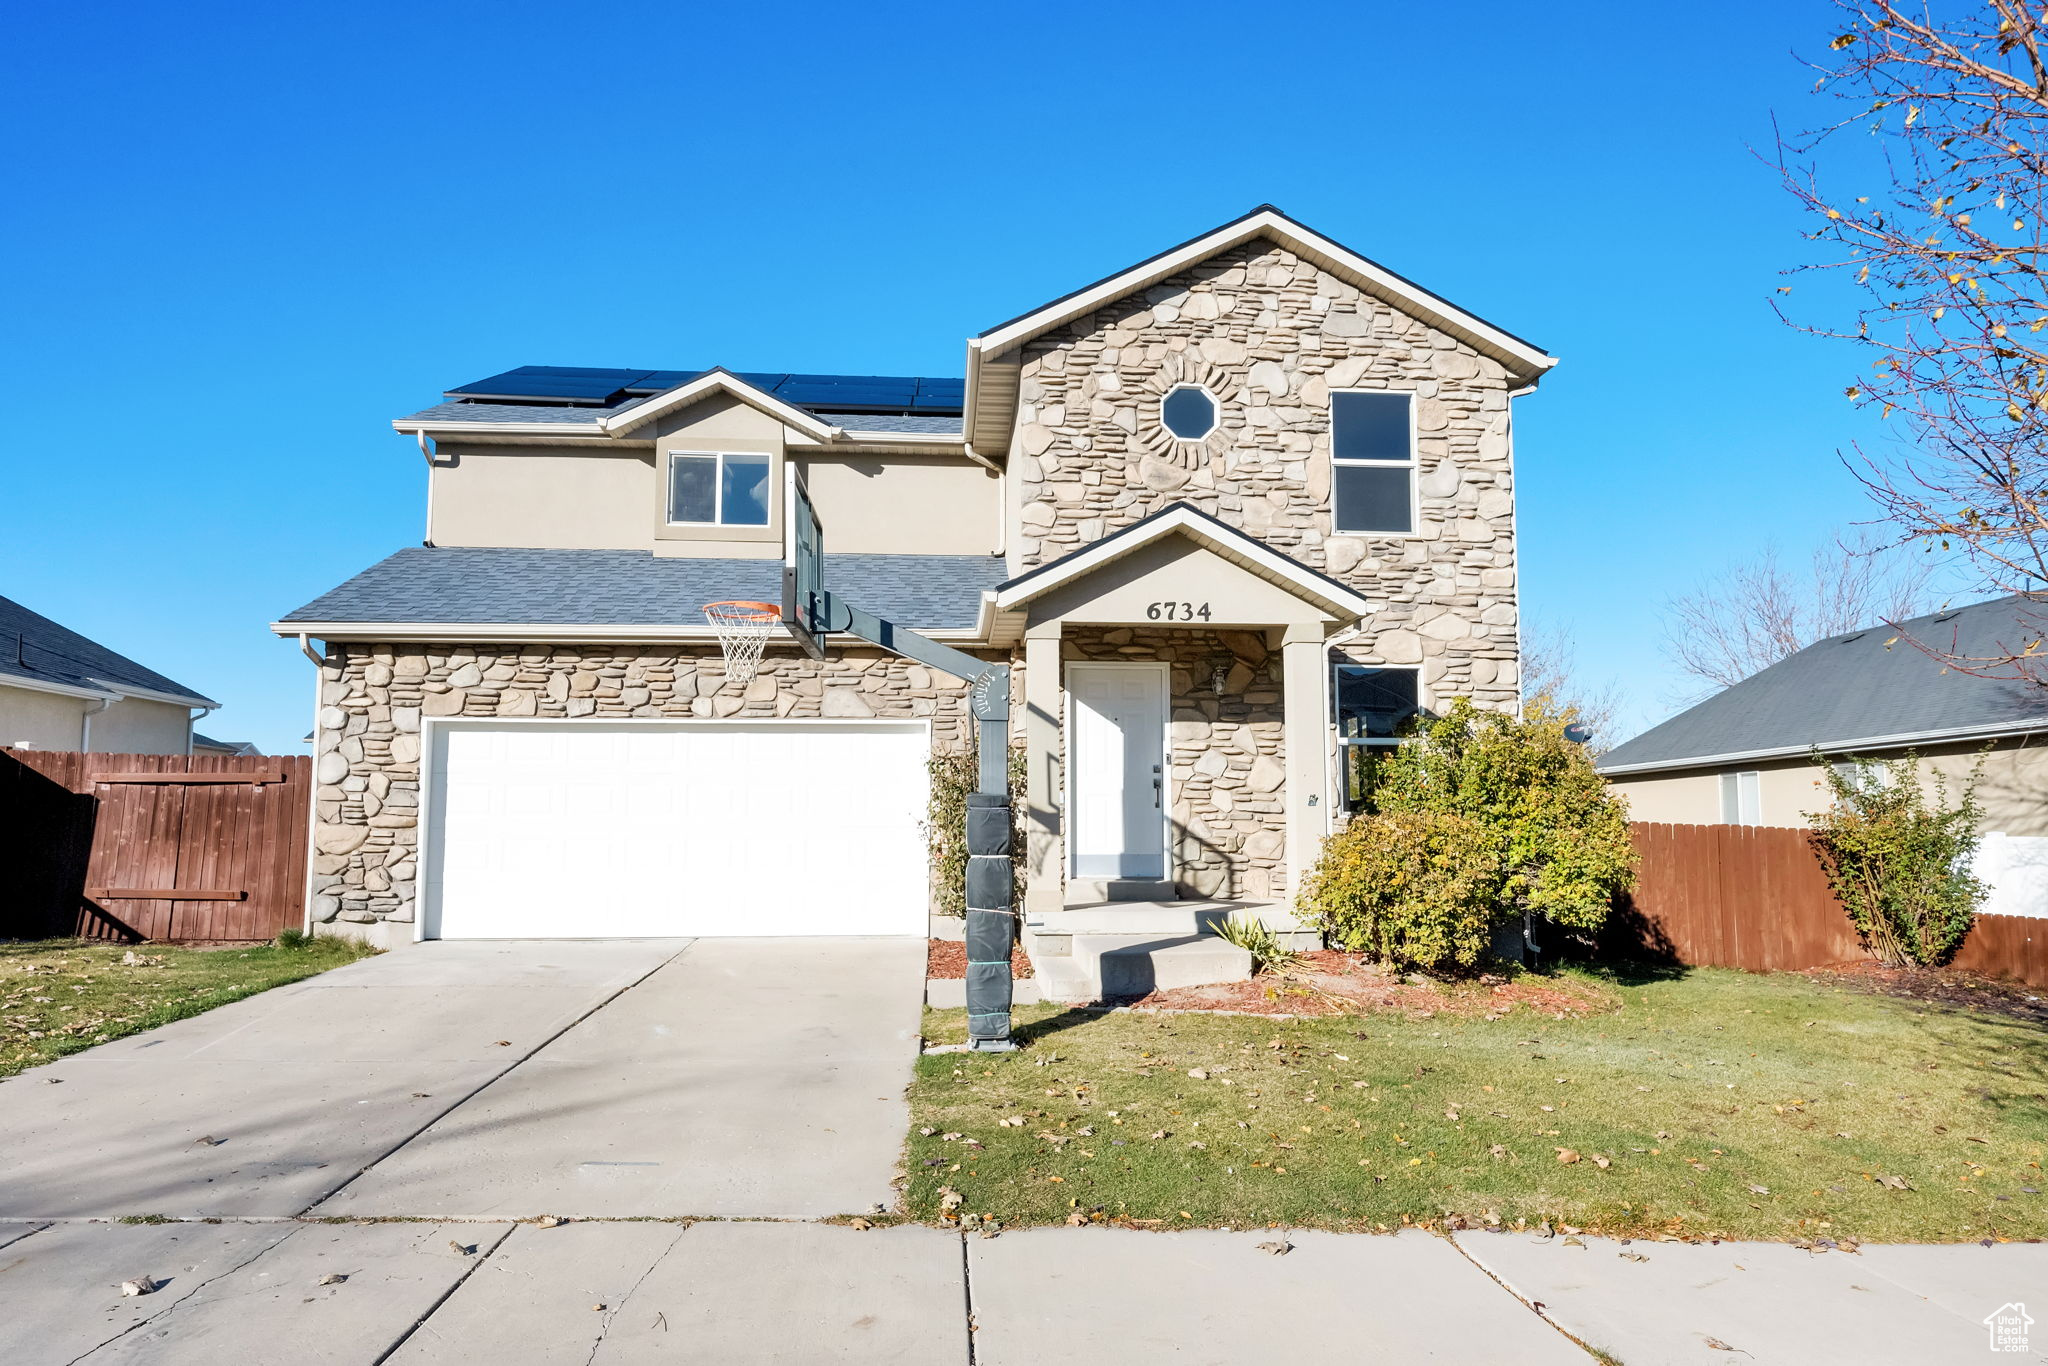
pixel 1109 965
pixel 1160 917
pixel 1090 891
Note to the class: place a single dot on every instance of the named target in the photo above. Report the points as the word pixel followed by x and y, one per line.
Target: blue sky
pixel 242 238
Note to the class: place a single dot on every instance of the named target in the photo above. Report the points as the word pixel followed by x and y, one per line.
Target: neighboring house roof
pixel 37 653
pixel 1184 519
pixel 207 744
pixel 1869 689
pixel 483 586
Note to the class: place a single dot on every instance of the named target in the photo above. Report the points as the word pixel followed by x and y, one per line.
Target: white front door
pixel 1116 742
pixel 591 829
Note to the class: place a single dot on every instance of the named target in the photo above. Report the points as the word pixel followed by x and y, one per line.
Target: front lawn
pixel 60 995
pixel 1715 1103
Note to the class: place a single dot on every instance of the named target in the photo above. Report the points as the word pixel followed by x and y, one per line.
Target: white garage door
pixel 592 829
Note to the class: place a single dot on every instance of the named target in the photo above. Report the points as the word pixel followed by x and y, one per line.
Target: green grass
pixel 1694 1088
pixel 58 996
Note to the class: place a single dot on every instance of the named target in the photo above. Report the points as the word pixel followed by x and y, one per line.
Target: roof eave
pixel 503 632
pixel 1902 740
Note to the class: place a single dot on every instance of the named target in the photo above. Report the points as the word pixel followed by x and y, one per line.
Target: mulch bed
pixel 1950 987
pixel 1328 982
pixel 948 958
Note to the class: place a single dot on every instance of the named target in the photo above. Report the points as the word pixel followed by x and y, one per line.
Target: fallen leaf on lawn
pixel 1633 1257
pixel 1498 1151
pixel 1279 1249
pixel 1603 1163
pixel 1572 1242
pixel 927 1131
pixel 1721 1346
pixel 1897 1183
pixel 551 1221
pixel 1567 1155
pixel 141 1285
pixel 504 1043
pixel 209 1141
pixel 1077 1220
pixel 1755 1189
pixel 950 1199
pixel 331 1278
pixel 1198 1074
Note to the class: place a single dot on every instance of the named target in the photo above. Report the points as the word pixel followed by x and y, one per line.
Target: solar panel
pixel 577 383
pixel 846 393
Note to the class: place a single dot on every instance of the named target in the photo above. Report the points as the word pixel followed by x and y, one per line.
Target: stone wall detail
pixel 1271 335
pixel 1228 823
pixel 373 698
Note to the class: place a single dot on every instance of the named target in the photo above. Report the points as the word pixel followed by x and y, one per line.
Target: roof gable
pixel 1523 359
pixel 714 382
pixel 1185 520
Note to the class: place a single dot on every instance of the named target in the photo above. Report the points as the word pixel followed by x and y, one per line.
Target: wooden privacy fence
pixel 1752 896
pixel 152 846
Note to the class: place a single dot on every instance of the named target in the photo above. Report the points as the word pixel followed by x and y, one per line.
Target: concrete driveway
pixel 496 1079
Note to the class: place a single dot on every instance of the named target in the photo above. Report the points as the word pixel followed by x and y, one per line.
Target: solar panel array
pixel 823 393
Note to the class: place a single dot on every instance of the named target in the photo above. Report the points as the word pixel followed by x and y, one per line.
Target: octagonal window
pixel 1189 412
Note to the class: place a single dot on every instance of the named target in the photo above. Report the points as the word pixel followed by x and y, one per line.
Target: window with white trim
pixel 1372 461
pixel 1374 706
pixel 718 488
pixel 1188 411
pixel 1741 799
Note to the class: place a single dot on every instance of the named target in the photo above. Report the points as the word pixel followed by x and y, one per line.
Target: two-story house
pixel 1231 514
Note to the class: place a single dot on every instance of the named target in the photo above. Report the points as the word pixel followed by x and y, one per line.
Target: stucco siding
pixel 905 505
pixel 39 720
pixel 133 726
pixel 542 498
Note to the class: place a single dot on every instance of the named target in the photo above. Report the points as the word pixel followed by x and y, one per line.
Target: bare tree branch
pixel 1949 255
pixel 1756 614
pixel 1552 685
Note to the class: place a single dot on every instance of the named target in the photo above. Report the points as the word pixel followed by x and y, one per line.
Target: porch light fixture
pixel 1219 674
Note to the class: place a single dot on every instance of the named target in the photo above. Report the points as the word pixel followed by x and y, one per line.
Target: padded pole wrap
pixel 991 927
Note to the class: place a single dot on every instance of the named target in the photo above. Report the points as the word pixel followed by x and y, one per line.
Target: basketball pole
pixel 991 885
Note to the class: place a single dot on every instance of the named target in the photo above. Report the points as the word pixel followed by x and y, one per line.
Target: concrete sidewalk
pixel 618 1293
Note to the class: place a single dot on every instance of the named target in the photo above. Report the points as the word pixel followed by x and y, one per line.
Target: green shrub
pixel 1479 819
pixel 945 827
pixel 1408 887
pixel 1899 860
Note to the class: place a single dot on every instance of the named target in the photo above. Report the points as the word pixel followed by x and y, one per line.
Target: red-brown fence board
pixel 1755 897
pixel 85 826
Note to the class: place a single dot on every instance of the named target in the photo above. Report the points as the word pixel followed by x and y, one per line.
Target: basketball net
pixel 743 629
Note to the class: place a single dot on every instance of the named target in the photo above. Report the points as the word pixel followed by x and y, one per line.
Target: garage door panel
pixel 597 829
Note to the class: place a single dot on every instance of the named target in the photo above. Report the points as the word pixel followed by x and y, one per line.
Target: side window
pixel 1372 706
pixel 718 489
pixel 1741 801
pixel 1372 459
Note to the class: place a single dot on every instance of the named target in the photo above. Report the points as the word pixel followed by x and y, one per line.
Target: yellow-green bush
pixel 1407 887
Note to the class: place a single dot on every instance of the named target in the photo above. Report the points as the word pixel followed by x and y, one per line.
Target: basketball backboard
pixel 803 566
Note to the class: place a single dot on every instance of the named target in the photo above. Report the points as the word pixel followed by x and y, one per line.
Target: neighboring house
pixel 206 744
pixel 1745 755
pixel 1231 515
pixel 59 690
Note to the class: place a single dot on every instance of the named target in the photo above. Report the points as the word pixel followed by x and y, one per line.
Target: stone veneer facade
pixel 1224 757
pixel 1270 336
pixel 372 697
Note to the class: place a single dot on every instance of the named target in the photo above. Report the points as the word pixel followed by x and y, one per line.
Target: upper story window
pixel 721 488
pixel 1189 412
pixel 1373 705
pixel 1372 454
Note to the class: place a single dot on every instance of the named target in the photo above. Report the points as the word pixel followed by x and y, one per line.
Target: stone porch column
pixel 1302 660
pixel 1045 850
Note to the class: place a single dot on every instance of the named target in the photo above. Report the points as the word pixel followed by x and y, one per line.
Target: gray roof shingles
pixel 489 585
pixel 1860 689
pixel 35 648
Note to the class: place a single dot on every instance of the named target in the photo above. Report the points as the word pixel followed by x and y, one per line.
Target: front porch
pixel 1178 751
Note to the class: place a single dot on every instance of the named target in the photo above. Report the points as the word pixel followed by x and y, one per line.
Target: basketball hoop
pixel 743 629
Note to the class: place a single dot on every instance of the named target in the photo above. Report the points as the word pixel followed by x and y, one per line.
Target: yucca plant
pixel 1249 933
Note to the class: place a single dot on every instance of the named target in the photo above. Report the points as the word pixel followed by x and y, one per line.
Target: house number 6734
pixel 1177 611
